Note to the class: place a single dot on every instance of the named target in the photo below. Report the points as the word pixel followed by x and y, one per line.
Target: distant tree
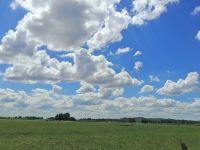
pixel 64 117
pixel 72 119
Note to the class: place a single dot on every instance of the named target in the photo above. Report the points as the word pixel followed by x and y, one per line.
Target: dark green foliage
pixel 143 120
pixel 23 118
pixel 63 117
pixel 183 146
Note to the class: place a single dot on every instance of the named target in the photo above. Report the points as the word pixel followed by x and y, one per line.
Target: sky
pixel 99 58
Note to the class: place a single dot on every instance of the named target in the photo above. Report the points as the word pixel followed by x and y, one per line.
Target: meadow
pixel 53 135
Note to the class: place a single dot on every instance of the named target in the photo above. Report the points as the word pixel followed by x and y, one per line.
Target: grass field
pixel 42 135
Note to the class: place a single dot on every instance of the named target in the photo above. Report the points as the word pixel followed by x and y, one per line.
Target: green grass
pixel 42 135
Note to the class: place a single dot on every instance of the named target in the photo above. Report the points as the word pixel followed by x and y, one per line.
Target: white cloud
pixel 110 92
pixel 29 65
pixel 68 25
pixel 85 88
pixel 123 50
pixel 92 69
pixel 138 65
pixel 145 10
pixel 181 86
pixel 31 5
pixel 147 89
pixel 196 10
pixel 70 22
pixel 154 78
pixel 110 30
pixel 138 53
pixel 16 45
pixel 56 89
pixel 43 103
pixel 198 36
pixel 75 23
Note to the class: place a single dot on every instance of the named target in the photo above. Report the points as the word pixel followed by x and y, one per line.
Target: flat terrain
pixel 42 135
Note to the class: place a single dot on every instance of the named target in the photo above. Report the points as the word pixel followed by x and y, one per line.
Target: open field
pixel 42 135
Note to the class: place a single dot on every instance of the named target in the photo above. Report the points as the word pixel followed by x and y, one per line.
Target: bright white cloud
pixel 92 69
pixel 181 86
pixel 198 36
pixel 138 65
pixel 41 101
pixel 154 78
pixel 68 25
pixel 70 22
pixel 31 5
pixel 16 45
pixel 138 53
pixel 74 23
pixel 123 50
pixel 196 10
pixel 20 47
pixel 145 10
pixel 147 89
pixel 110 30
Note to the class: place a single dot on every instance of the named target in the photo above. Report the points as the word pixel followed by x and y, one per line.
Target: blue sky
pixel 167 39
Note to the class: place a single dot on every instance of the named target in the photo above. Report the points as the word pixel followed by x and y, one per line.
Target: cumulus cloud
pixel 138 65
pixel 123 50
pixel 75 23
pixel 16 45
pixel 154 78
pixel 88 105
pixel 138 53
pixel 145 10
pixel 20 48
pixel 92 69
pixel 146 89
pixel 110 92
pixel 110 30
pixel 70 22
pixel 142 11
pixel 68 25
pixel 85 88
pixel 182 86
pixel 196 10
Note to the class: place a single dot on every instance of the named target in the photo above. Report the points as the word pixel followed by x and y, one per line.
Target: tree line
pixel 58 117
pixel 23 118
pixel 143 120
pixel 67 117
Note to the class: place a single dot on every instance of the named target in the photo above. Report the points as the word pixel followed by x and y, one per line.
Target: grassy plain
pixel 43 135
